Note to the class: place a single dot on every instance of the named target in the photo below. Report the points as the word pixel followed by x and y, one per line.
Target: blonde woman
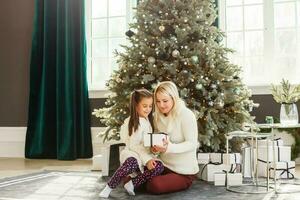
pixel 179 152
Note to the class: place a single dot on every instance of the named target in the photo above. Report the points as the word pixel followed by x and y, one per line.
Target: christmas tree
pixel 176 40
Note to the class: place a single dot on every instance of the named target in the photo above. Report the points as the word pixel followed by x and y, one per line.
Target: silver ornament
pixel 175 53
pixel 199 86
pixel 151 60
pixel 195 59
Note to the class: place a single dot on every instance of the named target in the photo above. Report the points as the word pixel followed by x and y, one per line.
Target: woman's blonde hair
pixel 168 88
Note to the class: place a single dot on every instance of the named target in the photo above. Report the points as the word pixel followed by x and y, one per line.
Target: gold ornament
pixel 161 28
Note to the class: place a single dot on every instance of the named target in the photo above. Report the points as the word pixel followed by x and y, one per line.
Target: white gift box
pixel 222 158
pixel 203 158
pixel 207 171
pixel 151 139
pixel 247 162
pixel 233 179
pixel 277 142
pixel 219 178
pixel 283 169
pixel 282 153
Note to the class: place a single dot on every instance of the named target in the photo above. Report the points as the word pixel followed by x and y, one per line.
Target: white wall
pixel 12 141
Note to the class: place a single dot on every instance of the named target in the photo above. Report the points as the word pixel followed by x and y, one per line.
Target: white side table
pixel 273 127
pixel 255 186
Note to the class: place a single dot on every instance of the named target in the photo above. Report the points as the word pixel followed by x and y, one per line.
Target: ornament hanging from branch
pixel 129 33
pixel 161 28
pixel 175 53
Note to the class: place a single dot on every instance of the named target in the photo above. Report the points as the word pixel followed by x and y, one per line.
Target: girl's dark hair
pixel 134 120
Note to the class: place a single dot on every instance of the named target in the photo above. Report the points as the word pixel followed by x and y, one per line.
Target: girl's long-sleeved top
pixel 180 156
pixel 135 143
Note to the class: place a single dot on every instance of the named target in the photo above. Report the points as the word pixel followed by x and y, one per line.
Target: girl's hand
pixel 151 164
pixel 160 149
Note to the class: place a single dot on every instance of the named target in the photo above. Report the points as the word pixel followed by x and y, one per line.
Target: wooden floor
pixel 19 166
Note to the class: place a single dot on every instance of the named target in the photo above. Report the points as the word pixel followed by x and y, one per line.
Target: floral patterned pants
pixel 131 165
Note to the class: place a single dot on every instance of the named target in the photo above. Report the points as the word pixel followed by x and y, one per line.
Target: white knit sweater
pixel 135 143
pixel 180 156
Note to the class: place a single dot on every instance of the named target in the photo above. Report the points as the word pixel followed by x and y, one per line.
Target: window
pixel 106 24
pixel 266 37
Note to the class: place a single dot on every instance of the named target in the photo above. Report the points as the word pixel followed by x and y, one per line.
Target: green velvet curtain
pixel 59 116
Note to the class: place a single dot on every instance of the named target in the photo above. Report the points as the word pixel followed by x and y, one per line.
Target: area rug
pixel 52 185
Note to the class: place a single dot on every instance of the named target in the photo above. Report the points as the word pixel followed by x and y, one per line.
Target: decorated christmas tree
pixel 176 40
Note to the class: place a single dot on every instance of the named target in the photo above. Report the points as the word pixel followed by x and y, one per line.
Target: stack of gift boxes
pixel 213 167
pixel 285 168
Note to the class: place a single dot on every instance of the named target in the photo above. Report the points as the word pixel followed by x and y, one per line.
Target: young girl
pixel 137 159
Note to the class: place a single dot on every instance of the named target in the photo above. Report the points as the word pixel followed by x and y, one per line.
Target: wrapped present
pixel 219 178
pixel 247 161
pixel 203 158
pixel 277 142
pixel 282 153
pixel 151 139
pixel 208 170
pixel 283 169
pixel 232 158
pixel 233 179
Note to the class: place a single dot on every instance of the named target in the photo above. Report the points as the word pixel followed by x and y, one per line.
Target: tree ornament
pixel 151 60
pixel 129 33
pixel 175 53
pixel 162 55
pixel 236 91
pixel 161 28
pixel 220 104
pixel 199 86
pixel 195 59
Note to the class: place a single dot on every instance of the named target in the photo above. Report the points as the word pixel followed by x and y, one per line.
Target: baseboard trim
pixel 12 141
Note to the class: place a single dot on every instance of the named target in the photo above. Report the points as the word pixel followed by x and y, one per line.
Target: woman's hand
pixel 151 164
pixel 160 149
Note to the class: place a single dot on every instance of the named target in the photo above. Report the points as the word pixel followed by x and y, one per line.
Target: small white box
pixel 277 142
pixel 151 139
pixel 219 179
pixel 97 162
pixel 203 158
pixel 233 158
pixel 233 179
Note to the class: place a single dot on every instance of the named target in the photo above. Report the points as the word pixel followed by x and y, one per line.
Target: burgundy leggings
pixel 128 167
pixel 168 182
